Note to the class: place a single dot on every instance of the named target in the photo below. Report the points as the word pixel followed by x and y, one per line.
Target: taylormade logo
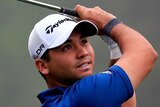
pixel 39 50
pixel 50 28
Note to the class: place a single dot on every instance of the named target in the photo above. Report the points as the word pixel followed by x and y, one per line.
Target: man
pixel 65 58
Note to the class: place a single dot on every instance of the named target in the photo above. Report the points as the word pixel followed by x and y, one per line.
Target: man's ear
pixel 41 65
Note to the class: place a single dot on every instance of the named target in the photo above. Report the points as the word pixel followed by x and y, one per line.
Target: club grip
pixel 69 12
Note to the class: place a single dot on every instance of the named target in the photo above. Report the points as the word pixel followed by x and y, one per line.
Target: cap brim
pixel 87 27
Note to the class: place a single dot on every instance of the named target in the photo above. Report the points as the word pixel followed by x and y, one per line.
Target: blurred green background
pixel 19 80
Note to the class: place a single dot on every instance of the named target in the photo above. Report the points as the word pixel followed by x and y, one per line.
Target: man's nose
pixel 81 52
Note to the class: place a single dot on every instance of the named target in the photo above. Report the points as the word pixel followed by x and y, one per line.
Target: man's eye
pixel 84 41
pixel 66 47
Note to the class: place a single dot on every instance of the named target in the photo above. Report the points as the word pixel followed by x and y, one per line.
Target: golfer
pixel 63 55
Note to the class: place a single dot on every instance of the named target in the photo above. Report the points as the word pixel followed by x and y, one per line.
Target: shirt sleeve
pixel 107 89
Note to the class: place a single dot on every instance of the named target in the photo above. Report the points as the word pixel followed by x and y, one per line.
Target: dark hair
pixel 46 56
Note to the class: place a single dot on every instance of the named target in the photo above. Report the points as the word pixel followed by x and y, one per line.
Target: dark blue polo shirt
pixel 106 89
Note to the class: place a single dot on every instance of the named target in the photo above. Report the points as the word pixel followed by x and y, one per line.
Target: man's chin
pixel 86 73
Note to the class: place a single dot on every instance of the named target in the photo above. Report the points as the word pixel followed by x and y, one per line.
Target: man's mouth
pixel 84 66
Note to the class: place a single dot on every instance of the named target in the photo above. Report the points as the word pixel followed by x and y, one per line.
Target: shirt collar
pixel 51 94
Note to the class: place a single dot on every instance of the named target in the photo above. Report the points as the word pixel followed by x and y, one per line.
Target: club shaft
pixel 52 7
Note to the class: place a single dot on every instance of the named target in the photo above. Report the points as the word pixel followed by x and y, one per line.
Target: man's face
pixel 72 60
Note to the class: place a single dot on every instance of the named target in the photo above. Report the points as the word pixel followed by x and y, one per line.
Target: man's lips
pixel 86 65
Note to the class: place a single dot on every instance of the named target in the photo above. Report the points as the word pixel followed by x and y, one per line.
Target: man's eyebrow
pixel 83 36
pixel 68 41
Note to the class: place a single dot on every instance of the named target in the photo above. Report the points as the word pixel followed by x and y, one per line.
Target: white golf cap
pixel 54 30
